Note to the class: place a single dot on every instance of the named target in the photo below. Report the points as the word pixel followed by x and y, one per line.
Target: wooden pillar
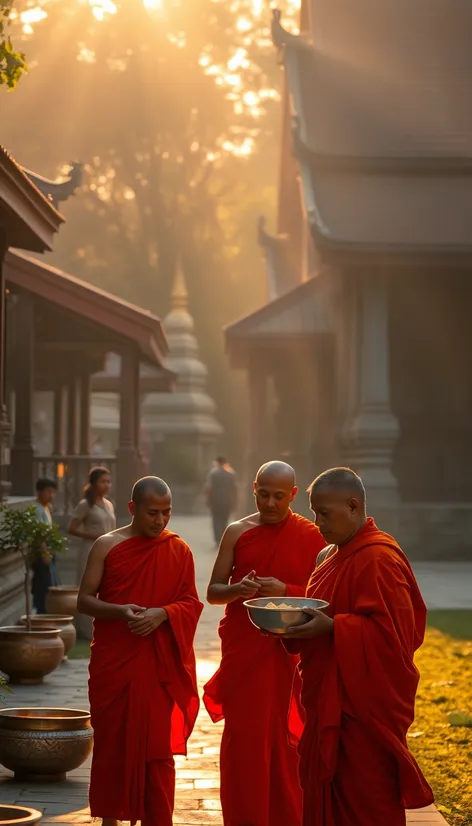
pixel 5 430
pixel 256 452
pixel 59 419
pixel 22 465
pixel 85 411
pixel 72 416
pixel 127 453
pixel 373 430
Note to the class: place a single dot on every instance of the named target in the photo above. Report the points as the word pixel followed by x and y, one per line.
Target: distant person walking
pixel 221 491
pixel 93 517
pixel 44 566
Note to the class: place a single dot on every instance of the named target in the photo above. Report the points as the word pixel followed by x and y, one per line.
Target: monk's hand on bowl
pixel 147 622
pixel 249 587
pixel 130 612
pixel 318 625
pixel 271 587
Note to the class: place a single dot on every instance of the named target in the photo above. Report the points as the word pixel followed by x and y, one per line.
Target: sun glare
pixel 240 74
pixel 154 5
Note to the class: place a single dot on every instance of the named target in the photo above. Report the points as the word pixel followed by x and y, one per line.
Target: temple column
pixel 85 411
pixel 127 453
pixel 72 416
pixel 5 429
pixel 371 432
pixel 258 424
pixel 22 465
pixel 59 420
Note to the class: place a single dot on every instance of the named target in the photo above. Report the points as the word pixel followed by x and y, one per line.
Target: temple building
pixel 360 356
pixel 181 427
pixel 60 331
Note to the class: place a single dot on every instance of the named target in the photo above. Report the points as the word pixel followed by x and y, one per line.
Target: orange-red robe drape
pixel 251 690
pixel 143 690
pixel 359 687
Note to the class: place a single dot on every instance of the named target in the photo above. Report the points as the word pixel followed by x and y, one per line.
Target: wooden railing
pixel 71 474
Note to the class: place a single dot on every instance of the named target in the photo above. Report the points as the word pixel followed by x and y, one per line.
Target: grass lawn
pixel 444 751
pixel 80 651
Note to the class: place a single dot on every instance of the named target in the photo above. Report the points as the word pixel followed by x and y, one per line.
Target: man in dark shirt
pixel 221 491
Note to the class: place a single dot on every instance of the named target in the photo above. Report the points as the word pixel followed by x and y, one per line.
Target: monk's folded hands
pixel 129 612
pixel 271 587
pixel 320 624
pixel 148 621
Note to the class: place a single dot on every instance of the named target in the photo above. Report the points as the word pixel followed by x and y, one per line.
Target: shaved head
pixel 276 470
pixel 149 486
pixel 150 506
pixel 337 498
pixel 341 479
pixel 274 489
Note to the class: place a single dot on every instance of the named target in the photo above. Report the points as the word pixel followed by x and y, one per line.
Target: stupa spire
pixel 179 295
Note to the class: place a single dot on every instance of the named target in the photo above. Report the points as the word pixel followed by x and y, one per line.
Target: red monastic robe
pixel 143 690
pixel 359 687
pixel 252 688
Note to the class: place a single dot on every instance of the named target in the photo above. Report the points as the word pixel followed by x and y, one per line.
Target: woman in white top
pixel 93 517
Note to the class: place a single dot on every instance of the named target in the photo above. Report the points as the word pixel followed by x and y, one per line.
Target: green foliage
pixel 4 687
pixel 20 530
pixel 12 62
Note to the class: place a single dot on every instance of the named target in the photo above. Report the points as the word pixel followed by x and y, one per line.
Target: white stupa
pixel 182 426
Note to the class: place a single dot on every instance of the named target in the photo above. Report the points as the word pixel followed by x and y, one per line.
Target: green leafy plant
pixel 20 531
pixel 12 62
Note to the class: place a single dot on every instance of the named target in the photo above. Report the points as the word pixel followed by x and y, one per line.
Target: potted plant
pixel 27 654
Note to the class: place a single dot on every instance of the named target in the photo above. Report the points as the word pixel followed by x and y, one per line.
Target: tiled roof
pixel 96 305
pixel 389 78
pixel 393 210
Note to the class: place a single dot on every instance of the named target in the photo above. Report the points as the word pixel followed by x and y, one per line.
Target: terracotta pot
pixel 63 622
pixel 62 599
pixel 27 656
pixel 18 816
pixel 43 744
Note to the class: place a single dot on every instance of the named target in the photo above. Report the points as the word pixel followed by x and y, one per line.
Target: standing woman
pixel 93 517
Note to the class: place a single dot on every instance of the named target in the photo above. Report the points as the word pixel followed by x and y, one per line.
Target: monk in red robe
pixel 269 553
pixel 359 680
pixel 139 585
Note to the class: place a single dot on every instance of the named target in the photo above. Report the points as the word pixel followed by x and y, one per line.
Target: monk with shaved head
pixel 268 554
pixel 139 585
pixel 359 680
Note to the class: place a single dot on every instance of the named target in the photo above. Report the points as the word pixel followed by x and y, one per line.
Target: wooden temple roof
pixel 382 118
pixel 95 306
pixel 27 217
pixel 293 316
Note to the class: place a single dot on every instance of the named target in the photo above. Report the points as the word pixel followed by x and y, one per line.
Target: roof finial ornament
pixel 281 37
pixel 58 191
pixel 179 290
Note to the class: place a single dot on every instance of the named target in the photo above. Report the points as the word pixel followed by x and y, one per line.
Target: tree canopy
pixel 172 105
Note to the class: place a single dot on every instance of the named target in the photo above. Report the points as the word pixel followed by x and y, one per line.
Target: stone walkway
pixel 197 788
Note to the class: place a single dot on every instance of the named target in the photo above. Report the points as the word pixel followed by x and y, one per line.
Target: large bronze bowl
pixel 18 816
pixel 62 599
pixel 27 656
pixel 43 744
pixel 63 622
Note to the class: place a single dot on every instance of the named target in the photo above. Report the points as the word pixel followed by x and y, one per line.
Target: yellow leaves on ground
pixel 441 737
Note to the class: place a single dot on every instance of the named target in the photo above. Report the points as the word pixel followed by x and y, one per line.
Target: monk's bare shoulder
pixel 103 545
pixel 236 529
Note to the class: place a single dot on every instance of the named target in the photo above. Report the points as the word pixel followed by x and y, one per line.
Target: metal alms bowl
pixel 278 621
